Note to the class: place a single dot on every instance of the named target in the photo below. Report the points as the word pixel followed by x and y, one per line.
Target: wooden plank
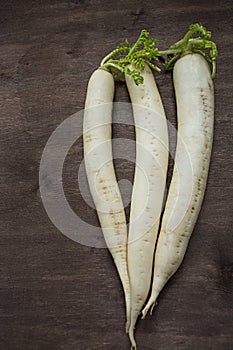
pixel 56 293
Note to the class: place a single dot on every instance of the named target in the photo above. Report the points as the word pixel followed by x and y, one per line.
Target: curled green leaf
pixel 143 51
pixel 195 40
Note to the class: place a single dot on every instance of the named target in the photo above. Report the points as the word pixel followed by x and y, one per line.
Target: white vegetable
pixel 148 187
pixel 101 177
pixel 195 111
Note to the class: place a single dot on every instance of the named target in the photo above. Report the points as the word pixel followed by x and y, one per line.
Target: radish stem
pixel 188 44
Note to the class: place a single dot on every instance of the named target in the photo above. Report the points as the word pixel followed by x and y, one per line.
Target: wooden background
pixel 57 294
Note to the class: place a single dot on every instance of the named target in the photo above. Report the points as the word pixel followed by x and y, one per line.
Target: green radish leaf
pixel 121 60
pixel 195 40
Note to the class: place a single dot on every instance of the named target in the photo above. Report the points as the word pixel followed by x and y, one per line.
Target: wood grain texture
pixel 55 293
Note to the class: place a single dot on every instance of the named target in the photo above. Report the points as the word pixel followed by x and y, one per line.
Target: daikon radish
pixel 97 134
pixel 194 92
pixel 148 187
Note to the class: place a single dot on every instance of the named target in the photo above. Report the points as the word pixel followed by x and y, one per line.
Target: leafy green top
pixel 198 44
pixel 120 60
pixel 127 59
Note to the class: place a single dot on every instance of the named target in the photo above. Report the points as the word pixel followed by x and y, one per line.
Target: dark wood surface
pixel 56 293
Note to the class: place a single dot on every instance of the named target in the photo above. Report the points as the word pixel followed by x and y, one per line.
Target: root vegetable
pixel 148 187
pixel 195 111
pixel 97 133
